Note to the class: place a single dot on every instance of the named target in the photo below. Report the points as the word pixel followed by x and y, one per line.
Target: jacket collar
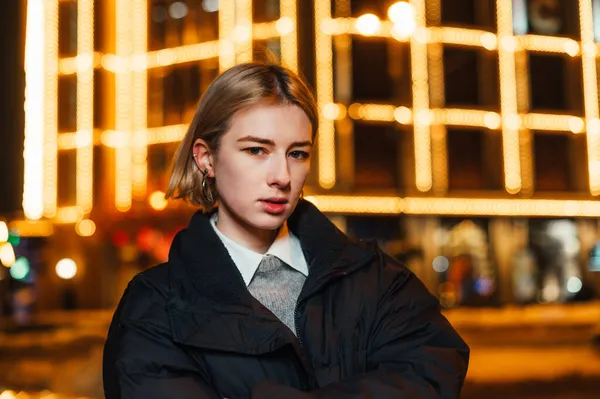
pixel 206 285
pixel 213 273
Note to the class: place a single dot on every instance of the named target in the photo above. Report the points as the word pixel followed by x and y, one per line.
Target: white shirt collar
pixel 286 247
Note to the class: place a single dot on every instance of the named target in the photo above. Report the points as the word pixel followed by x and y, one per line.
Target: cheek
pixel 300 174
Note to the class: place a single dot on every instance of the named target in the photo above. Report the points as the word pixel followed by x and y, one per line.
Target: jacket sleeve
pixel 140 360
pixel 413 351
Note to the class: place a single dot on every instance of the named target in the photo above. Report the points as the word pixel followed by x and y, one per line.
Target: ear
pixel 203 157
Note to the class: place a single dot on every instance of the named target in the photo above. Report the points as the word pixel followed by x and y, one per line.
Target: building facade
pixel 463 135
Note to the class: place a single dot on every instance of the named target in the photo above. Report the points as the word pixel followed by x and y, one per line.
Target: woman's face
pixel 262 165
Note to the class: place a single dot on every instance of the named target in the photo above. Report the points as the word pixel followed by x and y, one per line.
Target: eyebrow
pixel 261 140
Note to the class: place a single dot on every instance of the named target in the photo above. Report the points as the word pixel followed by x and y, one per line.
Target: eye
pixel 255 150
pixel 299 154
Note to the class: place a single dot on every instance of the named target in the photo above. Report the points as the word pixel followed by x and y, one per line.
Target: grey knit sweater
pixel 277 286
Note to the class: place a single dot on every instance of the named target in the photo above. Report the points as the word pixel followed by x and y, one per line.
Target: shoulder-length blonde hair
pixel 239 87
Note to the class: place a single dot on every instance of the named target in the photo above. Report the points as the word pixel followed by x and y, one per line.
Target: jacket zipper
pixel 296 319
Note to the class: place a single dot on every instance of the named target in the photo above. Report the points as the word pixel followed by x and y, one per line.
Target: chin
pixel 270 222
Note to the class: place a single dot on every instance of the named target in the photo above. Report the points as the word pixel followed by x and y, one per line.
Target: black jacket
pixel 367 327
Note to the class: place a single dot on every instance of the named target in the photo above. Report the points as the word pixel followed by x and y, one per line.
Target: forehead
pixel 276 122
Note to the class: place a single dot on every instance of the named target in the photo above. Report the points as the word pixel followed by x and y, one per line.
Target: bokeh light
pixel 66 268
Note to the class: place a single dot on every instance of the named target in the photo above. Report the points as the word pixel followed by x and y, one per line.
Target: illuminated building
pixel 111 85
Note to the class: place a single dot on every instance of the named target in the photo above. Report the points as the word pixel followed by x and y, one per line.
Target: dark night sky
pixel 11 107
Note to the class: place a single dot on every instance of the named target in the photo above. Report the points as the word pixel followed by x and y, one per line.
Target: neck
pixel 253 238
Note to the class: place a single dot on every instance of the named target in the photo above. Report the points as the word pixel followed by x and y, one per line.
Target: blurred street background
pixel 464 135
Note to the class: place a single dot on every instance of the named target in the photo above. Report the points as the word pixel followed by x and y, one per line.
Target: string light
pixel 32 228
pixel 324 86
pixel 69 215
pixel 123 107
pixel 182 54
pixel 226 46
pixel 70 65
pixel 439 140
pixel 139 96
pixel 286 27
pixel 420 94
pixel 456 206
pixel 564 123
pixel 243 12
pixel 368 24
pixel 508 96
pixel 85 105
pixel 34 143
pixel 167 134
pixel 590 93
pixel 549 44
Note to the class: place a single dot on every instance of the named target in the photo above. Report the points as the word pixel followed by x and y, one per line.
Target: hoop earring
pixel 205 188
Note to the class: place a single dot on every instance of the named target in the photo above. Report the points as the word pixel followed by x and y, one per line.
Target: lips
pixel 274 205
pixel 275 200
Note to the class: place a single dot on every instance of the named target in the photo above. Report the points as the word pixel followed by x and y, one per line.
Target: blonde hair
pixel 239 87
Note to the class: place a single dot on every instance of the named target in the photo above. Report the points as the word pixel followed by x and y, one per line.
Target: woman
pixel 262 296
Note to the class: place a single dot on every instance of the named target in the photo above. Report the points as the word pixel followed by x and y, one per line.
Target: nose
pixel 279 172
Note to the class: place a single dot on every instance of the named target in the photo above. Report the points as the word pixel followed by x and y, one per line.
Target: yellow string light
pixel 35 101
pixel 85 105
pixel 139 96
pixel 549 44
pixel 420 96
pixel 590 92
pixel 123 106
pixel 286 27
pixel 226 45
pixel 70 65
pixel 182 54
pixel 51 110
pixel 167 134
pixel 508 96
pixel 69 215
pixel 243 14
pixel 324 77
pixel 456 206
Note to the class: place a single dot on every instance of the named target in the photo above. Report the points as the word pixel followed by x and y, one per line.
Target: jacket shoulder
pixel 145 298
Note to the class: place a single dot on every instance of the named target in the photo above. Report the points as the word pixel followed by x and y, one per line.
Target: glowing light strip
pixel 439 146
pixel 69 215
pixel 123 106
pixel 564 123
pixel 74 140
pixel 463 117
pixel 439 153
pixel 139 97
pixel 549 44
pixel 289 40
pixel 265 30
pixel 508 96
pixel 420 93
pixel 33 154
pixel 455 206
pixel 182 54
pixel 226 45
pixel 371 112
pixel 324 75
pixel 69 65
pixel 525 135
pixel 358 204
pixel 462 37
pixel 243 30
pixel 590 91
pixel 459 117
pixel 85 105
pixel 344 25
pixel 51 109
pixel 167 134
